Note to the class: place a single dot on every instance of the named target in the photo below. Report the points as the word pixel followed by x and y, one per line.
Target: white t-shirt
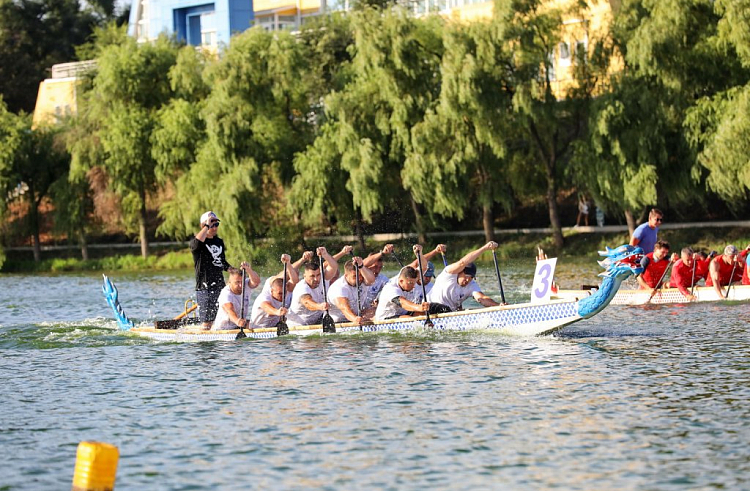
pixel 267 288
pixel 222 317
pixel 448 292
pixel 371 292
pixel 417 291
pixel 259 317
pixel 387 308
pixel 298 314
pixel 341 288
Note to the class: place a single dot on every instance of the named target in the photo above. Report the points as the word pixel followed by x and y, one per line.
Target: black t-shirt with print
pixel 210 261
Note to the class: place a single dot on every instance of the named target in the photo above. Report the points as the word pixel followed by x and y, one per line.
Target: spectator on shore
pixel 583 211
pixel 645 236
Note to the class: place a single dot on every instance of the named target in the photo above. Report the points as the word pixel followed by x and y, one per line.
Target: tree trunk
pixel 488 222
pixel 554 216
pixel 34 223
pixel 422 238
pixel 631 222
pixel 142 227
pixel 84 245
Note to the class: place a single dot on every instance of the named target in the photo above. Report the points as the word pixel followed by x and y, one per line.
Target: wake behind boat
pixel 528 319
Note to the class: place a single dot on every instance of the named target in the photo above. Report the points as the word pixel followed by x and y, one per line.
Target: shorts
pixel 208 304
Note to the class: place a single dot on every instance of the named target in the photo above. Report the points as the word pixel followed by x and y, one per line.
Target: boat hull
pixel 665 296
pixel 518 320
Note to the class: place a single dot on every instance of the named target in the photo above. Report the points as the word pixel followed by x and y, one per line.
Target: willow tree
pixel 549 122
pixel 394 78
pixel 255 121
pixel 459 151
pixel 717 125
pixel 131 85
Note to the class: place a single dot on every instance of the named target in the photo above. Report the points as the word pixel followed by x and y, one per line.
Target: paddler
pixel 344 295
pixel 456 283
pixel 654 265
pixel 268 308
pixel 683 273
pixel 231 300
pixel 308 302
pixel 725 269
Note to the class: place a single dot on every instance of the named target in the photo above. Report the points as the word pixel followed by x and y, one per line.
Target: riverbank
pixel 520 243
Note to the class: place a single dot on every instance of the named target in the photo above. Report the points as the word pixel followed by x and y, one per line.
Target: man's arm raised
pixel 458 266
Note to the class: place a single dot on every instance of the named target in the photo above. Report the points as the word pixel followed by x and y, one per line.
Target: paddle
pixel 499 280
pixel 328 324
pixel 692 278
pixel 281 328
pixel 661 281
pixel 242 334
pixel 397 259
pixel 427 322
pixel 731 277
pixel 445 261
pixel 359 301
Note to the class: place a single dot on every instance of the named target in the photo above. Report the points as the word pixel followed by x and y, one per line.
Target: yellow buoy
pixel 96 466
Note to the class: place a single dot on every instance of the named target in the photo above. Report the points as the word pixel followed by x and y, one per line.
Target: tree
pixel 131 85
pixel 394 79
pixel 32 160
pixel 460 149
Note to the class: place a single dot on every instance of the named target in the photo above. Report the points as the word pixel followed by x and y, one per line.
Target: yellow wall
pixel 56 98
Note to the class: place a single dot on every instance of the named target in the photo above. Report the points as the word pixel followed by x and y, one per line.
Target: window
pixel 564 54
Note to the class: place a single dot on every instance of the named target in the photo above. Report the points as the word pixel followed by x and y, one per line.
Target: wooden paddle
pixel 397 259
pixel 661 281
pixel 445 261
pixel 428 322
pixel 242 334
pixel 692 278
pixel 328 324
pixel 499 280
pixel 281 328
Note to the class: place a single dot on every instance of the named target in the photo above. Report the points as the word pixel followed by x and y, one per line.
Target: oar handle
pixel 499 279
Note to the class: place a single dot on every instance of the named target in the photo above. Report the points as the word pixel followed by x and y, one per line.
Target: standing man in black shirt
pixel 209 257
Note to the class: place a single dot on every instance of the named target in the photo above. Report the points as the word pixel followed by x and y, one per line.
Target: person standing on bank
pixel 645 235
pixel 209 259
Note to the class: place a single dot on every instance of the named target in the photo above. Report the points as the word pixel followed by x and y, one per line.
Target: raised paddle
pixel 356 282
pixel 445 261
pixel 499 280
pixel 428 322
pixel 328 324
pixel 242 334
pixel 731 277
pixel 281 328
pixel 397 259
pixel 661 281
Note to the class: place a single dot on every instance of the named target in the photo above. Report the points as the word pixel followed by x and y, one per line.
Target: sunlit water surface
pixel 635 398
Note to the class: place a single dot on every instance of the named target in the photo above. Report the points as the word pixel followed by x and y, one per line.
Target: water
pixel 636 398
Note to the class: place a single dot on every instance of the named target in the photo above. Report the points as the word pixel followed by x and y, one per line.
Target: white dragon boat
pixel 527 319
pixel 662 296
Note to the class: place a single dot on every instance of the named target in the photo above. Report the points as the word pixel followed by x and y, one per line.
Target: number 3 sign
pixel 542 287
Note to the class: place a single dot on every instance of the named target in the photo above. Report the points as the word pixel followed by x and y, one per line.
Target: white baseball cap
pixel 206 217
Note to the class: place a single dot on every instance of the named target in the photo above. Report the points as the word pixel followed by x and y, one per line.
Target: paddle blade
pixel 282 329
pixel 328 325
pixel 429 324
pixel 241 335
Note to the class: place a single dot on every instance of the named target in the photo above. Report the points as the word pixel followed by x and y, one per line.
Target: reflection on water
pixel 635 398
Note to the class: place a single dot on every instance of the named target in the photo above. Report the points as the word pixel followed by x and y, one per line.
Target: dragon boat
pixel 662 296
pixel 527 319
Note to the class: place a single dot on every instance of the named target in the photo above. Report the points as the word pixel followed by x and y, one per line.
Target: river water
pixel 637 398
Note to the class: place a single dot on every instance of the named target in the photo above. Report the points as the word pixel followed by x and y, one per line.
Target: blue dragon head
pixel 621 262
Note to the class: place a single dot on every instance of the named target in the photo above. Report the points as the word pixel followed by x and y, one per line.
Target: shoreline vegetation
pixel 512 246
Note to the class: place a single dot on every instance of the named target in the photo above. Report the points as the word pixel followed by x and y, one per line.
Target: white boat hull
pixel 665 296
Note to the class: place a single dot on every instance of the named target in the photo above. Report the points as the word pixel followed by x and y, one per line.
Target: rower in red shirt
pixel 684 273
pixel 723 269
pixel 654 264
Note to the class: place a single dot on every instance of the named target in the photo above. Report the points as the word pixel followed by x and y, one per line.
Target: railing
pixel 73 69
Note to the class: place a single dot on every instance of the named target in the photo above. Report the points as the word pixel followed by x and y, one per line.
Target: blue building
pixel 197 22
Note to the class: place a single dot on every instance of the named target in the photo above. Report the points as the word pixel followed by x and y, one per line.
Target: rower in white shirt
pixel 456 282
pixel 343 296
pixel 308 303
